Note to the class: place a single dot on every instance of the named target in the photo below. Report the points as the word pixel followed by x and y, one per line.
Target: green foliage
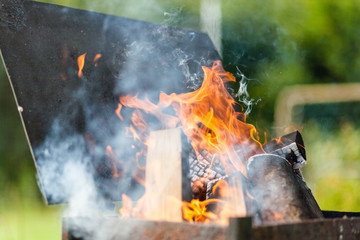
pixel 281 43
pixel 26 222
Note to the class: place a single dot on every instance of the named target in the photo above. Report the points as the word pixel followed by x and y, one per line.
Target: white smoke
pixel 242 94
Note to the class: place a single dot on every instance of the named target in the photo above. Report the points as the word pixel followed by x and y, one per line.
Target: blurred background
pixel 280 46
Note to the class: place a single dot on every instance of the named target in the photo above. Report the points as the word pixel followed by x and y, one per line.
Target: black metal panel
pixel 337 214
pixel 64 114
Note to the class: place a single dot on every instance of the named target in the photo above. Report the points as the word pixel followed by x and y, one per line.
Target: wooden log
pixel 290 146
pixel 235 196
pixel 163 194
pixel 281 195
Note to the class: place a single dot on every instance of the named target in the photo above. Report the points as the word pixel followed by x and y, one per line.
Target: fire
pixel 220 189
pixel 117 111
pixel 128 210
pixel 112 158
pixel 96 58
pixel 81 63
pixel 196 211
pixel 208 118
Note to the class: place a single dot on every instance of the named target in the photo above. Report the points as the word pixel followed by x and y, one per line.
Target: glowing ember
pixel 81 63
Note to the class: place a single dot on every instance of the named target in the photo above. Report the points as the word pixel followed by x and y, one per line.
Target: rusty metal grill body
pixel 239 228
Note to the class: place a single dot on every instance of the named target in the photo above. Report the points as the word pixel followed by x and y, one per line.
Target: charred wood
pixel 204 167
pixel 281 195
pixel 291 147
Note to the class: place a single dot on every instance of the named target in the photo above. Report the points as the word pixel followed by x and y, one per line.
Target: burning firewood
pixel 203 168
pixel 274 189
pixel 206 170
pixel 230 186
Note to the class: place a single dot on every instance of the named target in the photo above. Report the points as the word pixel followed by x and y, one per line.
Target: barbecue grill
pixel 68 113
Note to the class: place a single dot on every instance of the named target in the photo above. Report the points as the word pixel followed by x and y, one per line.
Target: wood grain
pixel 164 176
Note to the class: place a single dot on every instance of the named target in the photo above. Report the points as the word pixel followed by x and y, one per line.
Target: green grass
pixel 23 217
pixel 339 194
pixel 26 223
pixel 333 169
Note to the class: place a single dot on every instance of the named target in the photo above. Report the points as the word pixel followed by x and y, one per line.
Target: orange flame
pixel 196 211
pixel 208 118
pixel 111 156
pixel 96 58
pixel 81 63
pixel 128 210
pixel 139 122
pixel 131 132
pixel 220 189
pixel 147 106
pixel 117 111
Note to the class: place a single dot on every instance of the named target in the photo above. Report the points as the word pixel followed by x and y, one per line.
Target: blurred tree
pixel 281 43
